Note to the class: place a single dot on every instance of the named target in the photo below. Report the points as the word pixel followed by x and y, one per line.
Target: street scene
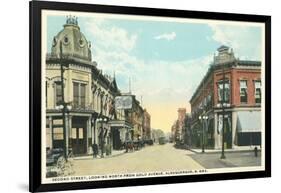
pixel 131 95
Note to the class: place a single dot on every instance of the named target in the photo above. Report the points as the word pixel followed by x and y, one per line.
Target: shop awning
pixel 249 121
pixel 120 124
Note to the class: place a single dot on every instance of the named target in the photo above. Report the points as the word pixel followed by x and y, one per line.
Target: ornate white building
pixel 88 95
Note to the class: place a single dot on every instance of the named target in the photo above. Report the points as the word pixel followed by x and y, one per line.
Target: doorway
pixel 228 132
pixel 116 141
pixel 79 136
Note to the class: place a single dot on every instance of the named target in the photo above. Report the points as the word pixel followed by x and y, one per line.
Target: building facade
pixel 84 94
pixel 181 123
pixel 187 130
pixel 238 82
pixel 136 117
pixel 146 125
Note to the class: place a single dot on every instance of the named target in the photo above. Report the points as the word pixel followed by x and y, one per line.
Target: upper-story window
pixel 58 93
pixel 243 91
pixel 226 91
pixel 79 95
pixel 46 94
pixel 209 101
pixel 257 91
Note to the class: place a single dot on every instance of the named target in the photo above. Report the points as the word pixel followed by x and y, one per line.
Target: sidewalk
pixel 239 158
pixel 234 149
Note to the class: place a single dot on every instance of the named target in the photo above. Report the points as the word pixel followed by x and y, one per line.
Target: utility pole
pixel 63 103
pixel 102 131
pixel 223 111
pixel 203 126
pixel 130 91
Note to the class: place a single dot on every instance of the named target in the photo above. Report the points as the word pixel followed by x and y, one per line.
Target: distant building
pixel 174 132
pixel 146 125
pixel 181 123
pixel 242 102
pixel 187 137
pixel 135 117
pixel 178 130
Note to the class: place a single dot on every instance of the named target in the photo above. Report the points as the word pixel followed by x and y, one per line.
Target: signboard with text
pixel 123 102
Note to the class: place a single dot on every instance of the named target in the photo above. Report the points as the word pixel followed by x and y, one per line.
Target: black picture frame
pixel 35 78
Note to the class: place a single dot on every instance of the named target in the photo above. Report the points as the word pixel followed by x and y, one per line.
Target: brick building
pixel 178 130
pixel 146 125
pixel 135 117
pixel 242 104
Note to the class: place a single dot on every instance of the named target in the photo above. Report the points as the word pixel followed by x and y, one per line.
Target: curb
pixel 219 151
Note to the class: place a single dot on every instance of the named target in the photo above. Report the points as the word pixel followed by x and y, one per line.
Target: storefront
pixel 119 130
pixel 219 123
pixel 248 128
pixel 78 132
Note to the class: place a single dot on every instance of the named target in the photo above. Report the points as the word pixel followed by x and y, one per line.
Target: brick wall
pixel 235 75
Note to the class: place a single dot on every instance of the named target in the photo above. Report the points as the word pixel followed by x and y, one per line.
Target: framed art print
pixel 126 96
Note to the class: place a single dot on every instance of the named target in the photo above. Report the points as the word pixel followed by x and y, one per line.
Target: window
pixel 82 95
pixel 65 40
pixel 226 91
pixel 243 91
pixel 58 91
pixel 80 134
pixel 58 133
pixel 209 100
pixel 79 95
pixel 76 94
pixel 46 94
pixel 73 133
pixel 257 91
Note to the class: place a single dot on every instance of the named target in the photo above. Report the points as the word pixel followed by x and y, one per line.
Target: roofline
pixel 213 67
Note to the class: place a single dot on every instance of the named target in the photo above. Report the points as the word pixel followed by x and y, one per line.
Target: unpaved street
pixel 148 159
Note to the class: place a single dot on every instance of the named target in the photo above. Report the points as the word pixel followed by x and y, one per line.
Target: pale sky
pixel 164 60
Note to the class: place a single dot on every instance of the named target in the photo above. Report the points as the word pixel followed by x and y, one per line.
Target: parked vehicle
pixel 162 140
pixel 56 163
pixel 148 141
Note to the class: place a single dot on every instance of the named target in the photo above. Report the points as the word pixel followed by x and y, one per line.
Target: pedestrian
pixel 126 145
pixel 95 150
pixel 256 151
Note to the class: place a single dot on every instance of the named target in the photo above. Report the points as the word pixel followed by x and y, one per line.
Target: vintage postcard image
pixel 138 96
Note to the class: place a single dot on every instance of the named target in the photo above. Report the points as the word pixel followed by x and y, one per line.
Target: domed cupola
pixel 74 44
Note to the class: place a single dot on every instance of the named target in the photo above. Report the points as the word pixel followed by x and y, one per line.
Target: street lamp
pixel 102 120
pixel 223 111
pixel 94 147
pixel 203 118
pixel 202 135
pixel 64 107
